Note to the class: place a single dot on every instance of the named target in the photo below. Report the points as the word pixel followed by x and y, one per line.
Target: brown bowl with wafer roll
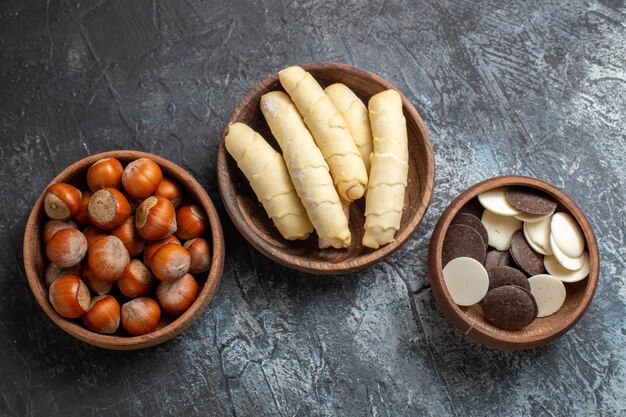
pixel 291 211
pixel 513 263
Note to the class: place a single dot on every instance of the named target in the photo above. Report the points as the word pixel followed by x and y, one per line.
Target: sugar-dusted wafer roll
pixel 270 181
pixel 356 116
pixel 384 200
pixel 308 170
pixel 329 130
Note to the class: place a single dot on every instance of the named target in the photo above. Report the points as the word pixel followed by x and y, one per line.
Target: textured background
pixel 525 87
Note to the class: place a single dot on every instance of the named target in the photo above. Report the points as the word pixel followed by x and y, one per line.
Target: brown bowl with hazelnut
pixel 123 250
pixel 513 263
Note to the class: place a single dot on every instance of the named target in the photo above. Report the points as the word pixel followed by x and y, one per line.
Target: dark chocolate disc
pixel 499 258
pixel 462 240
pixel 530 200
pixel 505 275
pixel 509 307
pixel 532 297
pixel 526 257
pixel 473 222
pixel 473 207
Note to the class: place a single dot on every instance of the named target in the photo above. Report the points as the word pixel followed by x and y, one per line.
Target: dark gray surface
pixel 534 88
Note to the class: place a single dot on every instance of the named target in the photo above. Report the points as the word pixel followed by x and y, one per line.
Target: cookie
pixel 555 269
pixel 509 307
pixel 567 234
pixel 473 207
pixel 495 201
pixel 473 222
pixel 463 241
pixel 500 276
pixel 500 229
pixel 549 294
pixel 466 280
pixel 525 256
pixel 499 258
pixel 530 200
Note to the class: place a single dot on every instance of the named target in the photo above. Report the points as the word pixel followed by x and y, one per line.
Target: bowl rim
pixel 457 316
pixel 362 261
pixel 179 324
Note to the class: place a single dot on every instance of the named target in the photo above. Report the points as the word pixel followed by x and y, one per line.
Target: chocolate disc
pixel 555 269
pixel 500 276
pixel 473 222
pixel 534 300
pixel 549 293
pixel 466 280
pixel 500 229
pixel 567 234
pixel 573 264
pixel 473 207
pixel 509 307
pixel 530 200
pixel 495 201
pixel 499 258
pixel 537 235
pixel 525 256
pixel 462 240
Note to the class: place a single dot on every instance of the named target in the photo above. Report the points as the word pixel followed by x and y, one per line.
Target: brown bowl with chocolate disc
pixel 513 263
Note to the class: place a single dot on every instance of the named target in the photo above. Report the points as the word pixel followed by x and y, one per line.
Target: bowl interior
pixel 35 259
pixel 470 320
pixel 250 218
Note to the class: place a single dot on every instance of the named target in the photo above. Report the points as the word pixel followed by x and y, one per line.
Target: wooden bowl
pixel 35 259
pixel 250 218
pixel 470 321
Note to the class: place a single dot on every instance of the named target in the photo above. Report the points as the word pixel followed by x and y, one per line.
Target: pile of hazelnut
pixel 133 224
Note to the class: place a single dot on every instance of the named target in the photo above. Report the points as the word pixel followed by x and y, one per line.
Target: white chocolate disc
pixel 538 236
pixel 555 269
pixel 567 235
pixel 573 264
pixel 496 202
pixel 533 245
pixel 467 280
pixel 500 229
pixel 531 218
pixel 549 294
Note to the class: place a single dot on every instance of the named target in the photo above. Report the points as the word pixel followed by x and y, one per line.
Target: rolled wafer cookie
pixel 384 201
pixel 329 130
pixel 308 170
pixel 267 173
